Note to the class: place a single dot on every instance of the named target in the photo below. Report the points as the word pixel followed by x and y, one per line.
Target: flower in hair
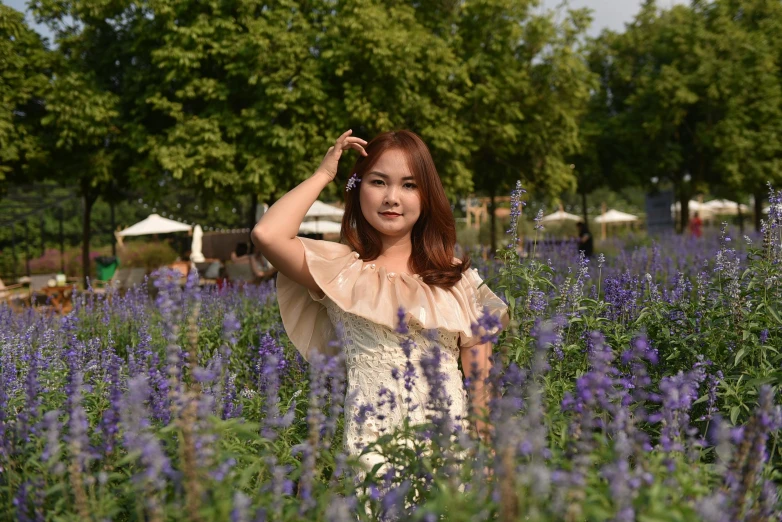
pixel 352 182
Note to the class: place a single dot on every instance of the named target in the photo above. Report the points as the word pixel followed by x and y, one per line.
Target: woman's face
pixel 389 196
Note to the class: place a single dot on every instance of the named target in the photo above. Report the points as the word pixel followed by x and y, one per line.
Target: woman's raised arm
pixel 275 234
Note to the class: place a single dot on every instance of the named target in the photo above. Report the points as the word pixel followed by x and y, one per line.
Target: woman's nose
pixel 392 195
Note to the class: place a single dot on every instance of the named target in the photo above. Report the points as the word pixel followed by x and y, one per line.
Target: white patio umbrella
pixel 154 224
pixel 724 206
pixel 616 216
pixel 320 227
pixel 693 205
pixel 319 219
pixel 323 210
pixel 560 215
pixel 197 246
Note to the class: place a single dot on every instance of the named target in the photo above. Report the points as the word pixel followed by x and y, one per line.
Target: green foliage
pixel 694 90
pixel 149 255
pixel 237 96
pixel 527 87
pixel 727 318
pixel 23 82
pixel 742 80
pixel 240 469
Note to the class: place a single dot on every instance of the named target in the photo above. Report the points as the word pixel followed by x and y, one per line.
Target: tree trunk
pixel 27 248
pixel 584 208
pixel 62 240
pixel 684 205
pixel 492 223
pixel 89 201
pixel 758 197
pixel 43 237
pixel 741 219
pixel 253 206
pixel 113 226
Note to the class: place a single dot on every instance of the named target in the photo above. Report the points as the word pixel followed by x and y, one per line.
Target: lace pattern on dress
pixel 377 398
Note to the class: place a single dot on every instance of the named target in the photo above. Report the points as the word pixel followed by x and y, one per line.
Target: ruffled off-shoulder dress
pixel 364 300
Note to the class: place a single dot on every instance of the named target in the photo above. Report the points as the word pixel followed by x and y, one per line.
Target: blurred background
pixel 633 116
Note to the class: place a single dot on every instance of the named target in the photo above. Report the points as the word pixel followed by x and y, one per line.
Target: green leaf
pixel 760 381
pixel 739 356
pixel 734 414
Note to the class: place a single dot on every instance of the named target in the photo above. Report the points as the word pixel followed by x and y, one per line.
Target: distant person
pixel 696 226
pixel 262 269
pixel 586 243
pixel 260 265
pixel 241 254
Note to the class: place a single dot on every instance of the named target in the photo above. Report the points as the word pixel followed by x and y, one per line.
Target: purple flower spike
pixel 352 182
pixel 401 327
pixel 538 220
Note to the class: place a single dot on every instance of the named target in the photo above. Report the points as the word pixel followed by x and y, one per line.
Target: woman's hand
pixel 345 142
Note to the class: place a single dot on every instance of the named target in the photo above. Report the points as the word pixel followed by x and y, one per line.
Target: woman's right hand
pixel 345 142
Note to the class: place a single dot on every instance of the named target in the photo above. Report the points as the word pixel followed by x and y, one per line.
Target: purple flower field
pixel 642 384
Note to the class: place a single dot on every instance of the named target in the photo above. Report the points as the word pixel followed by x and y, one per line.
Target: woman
pixel 398 237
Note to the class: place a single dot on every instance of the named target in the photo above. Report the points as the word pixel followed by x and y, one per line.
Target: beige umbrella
pixel 155 224
pixel 693 205
pixel 724 206
pixel 560 215
pixel 320 209
pixel 616 216
pixel 320 227
pixel 319 219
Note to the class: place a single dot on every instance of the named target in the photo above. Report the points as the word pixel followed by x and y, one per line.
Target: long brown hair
pixel 434 234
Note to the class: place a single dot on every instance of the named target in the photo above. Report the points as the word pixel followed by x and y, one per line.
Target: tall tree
pixel 653 83
pixel 390 65
pixel 255 92
pixel 86 126
pixel 746 83
pixel 528 86
pixel 692 96
pixel 80 125
pixel 24 78
pixel 240 94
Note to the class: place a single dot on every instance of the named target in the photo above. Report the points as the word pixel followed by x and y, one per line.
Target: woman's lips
pixel 390 214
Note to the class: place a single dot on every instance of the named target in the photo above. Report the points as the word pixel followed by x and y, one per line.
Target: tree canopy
pixel 241 98
pixel 24 64
pixel 691 95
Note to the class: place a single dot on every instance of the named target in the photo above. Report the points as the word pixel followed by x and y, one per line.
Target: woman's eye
pixel 410 185
pixel 376 181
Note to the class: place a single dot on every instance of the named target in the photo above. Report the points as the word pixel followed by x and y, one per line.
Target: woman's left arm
pixel 476 364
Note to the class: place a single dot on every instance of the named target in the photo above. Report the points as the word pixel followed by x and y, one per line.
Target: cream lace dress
pixel 364 300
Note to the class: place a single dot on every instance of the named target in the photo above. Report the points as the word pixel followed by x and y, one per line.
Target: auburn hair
pixel 434 234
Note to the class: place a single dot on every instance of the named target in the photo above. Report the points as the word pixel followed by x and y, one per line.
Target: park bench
pixel 10 294
pixel 122 280
pixel 208 272
pixel 239 273
pixel 243 273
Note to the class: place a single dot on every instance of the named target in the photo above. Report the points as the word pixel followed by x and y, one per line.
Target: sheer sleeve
pixel 303 313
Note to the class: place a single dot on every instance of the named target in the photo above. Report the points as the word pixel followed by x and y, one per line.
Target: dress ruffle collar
pixel 375 294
